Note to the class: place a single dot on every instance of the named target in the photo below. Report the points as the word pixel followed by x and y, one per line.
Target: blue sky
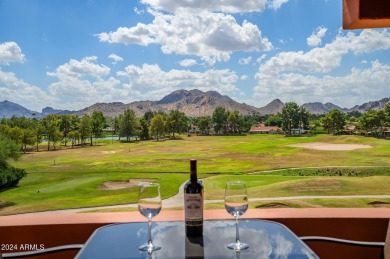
pixel 72 54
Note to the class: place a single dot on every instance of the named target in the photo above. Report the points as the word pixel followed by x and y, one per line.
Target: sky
pixel 72 54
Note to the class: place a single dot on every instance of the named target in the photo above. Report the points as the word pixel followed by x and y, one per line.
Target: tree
pixel 75 122
pixel 148 116
pixel 28 138
pixel 381 119
pixel 355 114
pixel 273 120
pixel 144 129
pixel 219 119
pixel 9 176
pixel 387 114
pixel 39 131
pixel 235 121
pixel 74 136
pixel 176 122
pixel 85 128
pixel 373 120
pixel 334 121
pixel 65 127
pixel 290 116
pixel 204 123
pixel 8 150
pixel 51 129
pixel 115 124
pixel 303 117
pixel 128 124
pixel 55 138
pixel 98 122
pixel 157 126
pixel 15 134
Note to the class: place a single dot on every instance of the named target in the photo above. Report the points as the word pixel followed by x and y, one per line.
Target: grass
pixel 69 178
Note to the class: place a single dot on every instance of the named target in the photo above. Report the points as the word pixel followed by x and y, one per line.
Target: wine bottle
pixel 193 203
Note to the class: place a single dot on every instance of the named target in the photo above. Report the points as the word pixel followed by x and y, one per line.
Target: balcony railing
pixel 21 233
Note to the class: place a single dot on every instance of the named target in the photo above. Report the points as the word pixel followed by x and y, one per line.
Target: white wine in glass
pixel 149 205
pixel 236 203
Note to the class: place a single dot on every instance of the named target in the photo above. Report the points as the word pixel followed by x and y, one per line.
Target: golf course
pixel 272 165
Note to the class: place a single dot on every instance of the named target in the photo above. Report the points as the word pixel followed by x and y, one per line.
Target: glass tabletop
pixel 266 239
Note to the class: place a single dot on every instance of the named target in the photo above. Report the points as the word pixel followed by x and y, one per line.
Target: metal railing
pixel 338 240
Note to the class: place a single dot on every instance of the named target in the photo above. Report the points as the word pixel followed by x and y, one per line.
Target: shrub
pixel 10 176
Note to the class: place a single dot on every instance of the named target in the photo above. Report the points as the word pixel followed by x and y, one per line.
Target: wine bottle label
pixel 193 206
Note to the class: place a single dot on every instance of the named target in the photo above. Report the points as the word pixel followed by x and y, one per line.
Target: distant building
pixel 262 129
pixel 193 129
pixel 386 133
pixel 299 132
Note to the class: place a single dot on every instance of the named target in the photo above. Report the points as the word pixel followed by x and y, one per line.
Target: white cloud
pixel 85 92
pixel 282 41
pixel 16 90
pixel 231 6
pixel 85 83
pixel 138 11
pixel 211 36
pixel 297 75
pixel 84 89
pixel 115 58
pixel 10 52
pixel 150 80
pixel 316 37
pixel 328 57
pixel 244 77
pixel 187 62
pixel 276 4
pixel 175 6
pixel 140 35
pixel 359 85
pixel 245 61
pixel 261 58
pixel 85 67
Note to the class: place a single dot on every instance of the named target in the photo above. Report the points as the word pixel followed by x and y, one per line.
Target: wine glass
pixel 149 205
pixel 236 203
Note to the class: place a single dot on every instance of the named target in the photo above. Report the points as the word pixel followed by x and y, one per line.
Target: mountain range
pixel 193 103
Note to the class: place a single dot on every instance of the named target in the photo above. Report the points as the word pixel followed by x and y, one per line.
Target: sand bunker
pixel 331 147
pixel 116 185
pixel 109 152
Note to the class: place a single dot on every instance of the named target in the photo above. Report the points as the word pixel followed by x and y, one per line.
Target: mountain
pixel 196 103
pixel 9 109
pixel 108 109
pixel 193 103
pixel 320 108
pixel 50 110
pixel 375 105
pixel 272 108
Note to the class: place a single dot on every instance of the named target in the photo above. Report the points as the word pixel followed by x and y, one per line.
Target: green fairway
pixel 70 178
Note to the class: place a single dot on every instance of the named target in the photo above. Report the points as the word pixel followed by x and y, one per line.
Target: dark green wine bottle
pixel 193 203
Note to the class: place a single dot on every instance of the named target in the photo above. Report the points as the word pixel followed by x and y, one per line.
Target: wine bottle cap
pixel 193 165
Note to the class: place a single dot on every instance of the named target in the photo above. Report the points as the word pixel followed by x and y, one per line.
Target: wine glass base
pixel 238 246
pixel 149 248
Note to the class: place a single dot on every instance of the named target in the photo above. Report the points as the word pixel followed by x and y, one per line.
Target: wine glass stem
pixel 150 230
pixel 237 234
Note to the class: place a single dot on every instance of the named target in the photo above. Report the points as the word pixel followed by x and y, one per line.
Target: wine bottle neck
pixel 193 177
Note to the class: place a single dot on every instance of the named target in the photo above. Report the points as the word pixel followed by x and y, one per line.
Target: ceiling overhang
pixel 361 14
